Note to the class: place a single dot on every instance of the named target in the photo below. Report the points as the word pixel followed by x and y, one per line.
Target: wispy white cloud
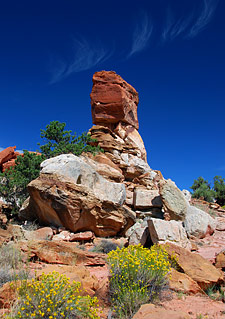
pixel 173 27
pixel 1 149
pixel 141 35
pixel 191 25
pixel 85 56
pixel 207 12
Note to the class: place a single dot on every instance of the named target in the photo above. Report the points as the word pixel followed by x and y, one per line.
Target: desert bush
pixel 12 267
pixel 105 246
pixel 138 275
pixel 53 297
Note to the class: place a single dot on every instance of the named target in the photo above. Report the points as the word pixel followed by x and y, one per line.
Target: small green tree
pixel 219 188
pixel 201 188
pixel 13 185
pixel 59 141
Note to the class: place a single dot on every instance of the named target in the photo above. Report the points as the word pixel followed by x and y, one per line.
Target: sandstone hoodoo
pixel 113 100
pixel 82 200
pixel 115 190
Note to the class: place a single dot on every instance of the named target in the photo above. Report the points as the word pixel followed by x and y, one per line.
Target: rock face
pixel 198 223
pixel 73 168
pixel 70 193
pixel 113 100
pixel 181 282
pixel 174 202
pixel 162 231
pixel 57 201
pixel 195 266
pixel 144 199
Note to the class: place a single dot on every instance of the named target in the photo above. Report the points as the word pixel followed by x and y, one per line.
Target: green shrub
pixel 137 276
pixel 59 141
pixel 219 188
pixel 201 188
pixel 13 186
pixel 12 267
pixel 52 297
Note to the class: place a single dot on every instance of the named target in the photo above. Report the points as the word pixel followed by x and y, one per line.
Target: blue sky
pixel 171 51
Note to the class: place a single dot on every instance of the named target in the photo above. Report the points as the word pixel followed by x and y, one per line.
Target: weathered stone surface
pixel 150 311
pixel 187 195
pixel 61 252
pixel 44 233
pixel 195 266
pixel 220 259
pixel 104 166
pixel 135 166
pixel 198 223
pixel 131 137
pixel 220 223
pixel 174 202
pixel 138 233
pixel 84 236
pixel 74 168
pixel 162 231
pixel 63 235
pixel 144 199
pixel 183 283
pixel 59 202
pixel 7 154
pixel 113 100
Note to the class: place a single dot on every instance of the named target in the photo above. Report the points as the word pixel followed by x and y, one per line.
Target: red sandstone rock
pixel 8 164
pixel 113 100
pixel 7 154
pixel 85 236
pixel 195 266
pixel 181 282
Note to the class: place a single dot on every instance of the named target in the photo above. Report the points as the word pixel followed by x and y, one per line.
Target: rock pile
pixel 8 157
pixel 115 191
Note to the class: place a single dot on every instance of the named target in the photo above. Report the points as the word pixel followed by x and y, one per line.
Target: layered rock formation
pixel 110 192
pixel 8 157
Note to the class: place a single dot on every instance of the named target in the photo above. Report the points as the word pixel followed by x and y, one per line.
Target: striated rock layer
pixel 113 100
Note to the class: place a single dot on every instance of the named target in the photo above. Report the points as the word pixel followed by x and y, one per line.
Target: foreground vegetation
pixel 51 296
pixel 137 276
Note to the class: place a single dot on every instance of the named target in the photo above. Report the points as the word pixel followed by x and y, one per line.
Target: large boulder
pixel 138 233
pixel 195 266
pixel 198 223
pixel 76 170
pixel 7 154
pixel 162 231
pixel 181 282
pixel 60 252
pixel 70 193
pixel 113 100
pixel 144 199
pixel 174 202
